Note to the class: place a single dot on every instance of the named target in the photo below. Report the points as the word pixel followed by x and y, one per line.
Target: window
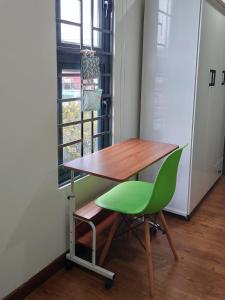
pixel 82 24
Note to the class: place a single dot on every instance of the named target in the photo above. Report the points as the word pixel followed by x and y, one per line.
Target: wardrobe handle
pixel 223 82
pixel 212 77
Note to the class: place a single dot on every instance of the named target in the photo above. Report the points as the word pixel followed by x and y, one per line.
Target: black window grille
pixel 82 24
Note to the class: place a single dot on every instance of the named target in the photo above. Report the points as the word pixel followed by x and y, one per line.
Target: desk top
pixel 121 161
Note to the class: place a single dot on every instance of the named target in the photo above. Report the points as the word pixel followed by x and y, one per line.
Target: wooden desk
pixel 121 161
pixel 118 162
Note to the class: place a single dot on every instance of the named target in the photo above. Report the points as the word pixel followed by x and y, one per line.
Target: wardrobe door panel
pixel 218 94
pixel 209 112
pixel 202 154
pixel 221 98
pixel 168 83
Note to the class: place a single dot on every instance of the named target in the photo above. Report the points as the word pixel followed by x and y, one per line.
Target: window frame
pixel 68 57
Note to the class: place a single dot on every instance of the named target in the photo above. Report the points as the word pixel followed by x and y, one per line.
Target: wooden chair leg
pixel 168 235
pixel 109 241
pixel 149 255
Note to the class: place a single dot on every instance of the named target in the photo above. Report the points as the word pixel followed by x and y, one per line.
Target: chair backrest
pixel 165 183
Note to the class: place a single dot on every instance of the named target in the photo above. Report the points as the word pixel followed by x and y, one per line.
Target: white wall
pixel 33 211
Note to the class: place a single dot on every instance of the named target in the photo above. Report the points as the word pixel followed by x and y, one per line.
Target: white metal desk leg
pixel 93 243
pixel 72 255
pixel 72 207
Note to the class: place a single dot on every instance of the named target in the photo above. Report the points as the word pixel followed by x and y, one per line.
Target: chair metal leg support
pixel 129 229
pixel 156 226
pixel 132 229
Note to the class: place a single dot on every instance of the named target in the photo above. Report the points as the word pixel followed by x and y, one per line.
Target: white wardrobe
pixel 183 91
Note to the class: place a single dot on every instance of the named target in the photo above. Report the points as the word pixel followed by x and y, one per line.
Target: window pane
pixel 70 10
pixel 71 152
pixel 71 85
pixel 71 133
pixel 97 127
pixel 96 113
pixel 70 34
pixel 71 111
pixel 87 115
pixel 97 145
pixel 87 146
pixel 87 22
pixel 64 174
pixel 87 130
pixel 87 138
pixel 97 39
pixel 97 13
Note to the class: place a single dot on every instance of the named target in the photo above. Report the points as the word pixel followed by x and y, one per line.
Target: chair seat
pixel 129 197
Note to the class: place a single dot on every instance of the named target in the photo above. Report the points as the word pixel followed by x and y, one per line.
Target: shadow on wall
pixel 129 17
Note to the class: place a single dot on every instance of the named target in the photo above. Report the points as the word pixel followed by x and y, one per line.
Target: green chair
pixel 143 198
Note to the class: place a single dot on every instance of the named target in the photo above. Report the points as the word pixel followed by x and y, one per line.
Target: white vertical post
pixel 93 243
pixel 72 207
